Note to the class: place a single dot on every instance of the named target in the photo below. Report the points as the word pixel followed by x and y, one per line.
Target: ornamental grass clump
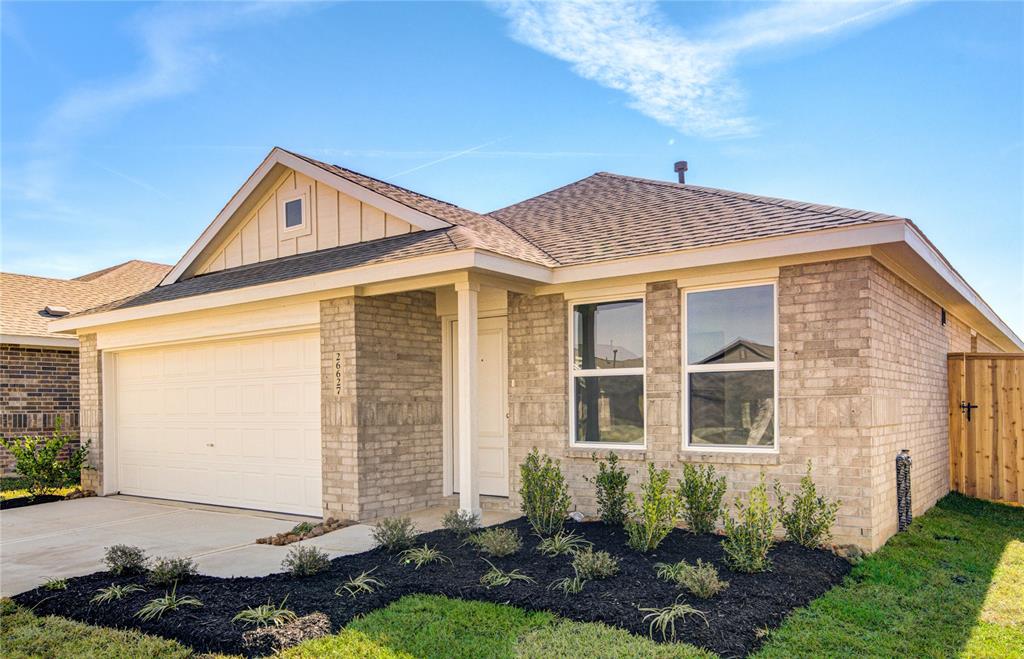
pixel 808 521
pixel 610 485
pixel 750 535
pixel 420 556
pixel 648 523
pixel 664 619
pixel 395 534
pixel 700 493
pixel 115 592
pixel 496 577
pixel 265 615
pixel 497 541
pixel 156 608
pixel 562 543
pixel 701 580
pixel 544 494
pixel 360 585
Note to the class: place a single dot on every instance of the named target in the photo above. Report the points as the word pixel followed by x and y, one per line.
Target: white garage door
pixel 234 423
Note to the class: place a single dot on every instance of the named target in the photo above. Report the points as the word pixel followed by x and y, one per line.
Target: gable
pixel 330 218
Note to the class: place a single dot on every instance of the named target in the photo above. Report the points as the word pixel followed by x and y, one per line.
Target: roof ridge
pixel 826 209
pixel 74 282
pixel 552 190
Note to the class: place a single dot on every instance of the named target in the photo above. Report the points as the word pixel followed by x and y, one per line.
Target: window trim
pixel 574 373
pixel 687 369
pixel 303 226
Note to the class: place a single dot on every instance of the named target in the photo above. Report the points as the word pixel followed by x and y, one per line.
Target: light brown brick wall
pixel 90 413
pixel 382 436
pixel 37 384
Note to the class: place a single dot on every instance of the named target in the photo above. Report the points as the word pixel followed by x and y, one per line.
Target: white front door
pixel 492 397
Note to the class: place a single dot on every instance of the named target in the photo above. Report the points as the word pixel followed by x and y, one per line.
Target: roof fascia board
pixel 352 277
pixel 278 156
pixel 40 341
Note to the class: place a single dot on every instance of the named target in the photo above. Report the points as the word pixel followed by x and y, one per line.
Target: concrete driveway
pixel 67 538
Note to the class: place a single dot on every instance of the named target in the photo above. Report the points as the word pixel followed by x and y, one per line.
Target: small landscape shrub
pixel 302 528
pixel 115 592
pixel 611 482
pixel 562 543
pixel 590 564
pixel 750 536
pixel 497 541
pixel 38 460
pixel 395 533
pixel 654 518
pixel 700 493
pixel 156 608
pixel 495 577
pixel 125 559
pixel 166 570
pixel 305 561
pixel 544 493
pixel 664 620
pixel 55 583
pixel 700 580
pixel 265 615
pixel 810 518
pixel 420 556
pixel 569 585
pixel 363 583
pixel 460 522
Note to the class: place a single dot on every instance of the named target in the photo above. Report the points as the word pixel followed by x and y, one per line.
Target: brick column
pixel 338 432
pixel 90 384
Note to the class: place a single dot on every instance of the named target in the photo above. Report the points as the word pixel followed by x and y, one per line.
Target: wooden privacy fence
pixel 986 425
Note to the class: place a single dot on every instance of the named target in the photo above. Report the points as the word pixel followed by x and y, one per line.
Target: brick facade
pixel 37 385
pixel 382 434
pixel 90 382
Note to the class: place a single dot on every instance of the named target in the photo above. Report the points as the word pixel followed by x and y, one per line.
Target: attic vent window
pixel 54 310
pixel 293 214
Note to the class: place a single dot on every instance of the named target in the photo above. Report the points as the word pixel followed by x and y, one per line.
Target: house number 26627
pixel 337 373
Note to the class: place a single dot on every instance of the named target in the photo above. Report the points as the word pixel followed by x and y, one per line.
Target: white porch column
pixel 469 484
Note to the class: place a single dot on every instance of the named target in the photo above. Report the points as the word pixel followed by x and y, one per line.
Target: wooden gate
pixel 986 425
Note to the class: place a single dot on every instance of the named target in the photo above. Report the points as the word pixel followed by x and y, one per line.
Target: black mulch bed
pixel 750 603
pixel 21 502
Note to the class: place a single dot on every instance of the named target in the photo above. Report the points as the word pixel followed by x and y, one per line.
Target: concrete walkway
pixel 67 538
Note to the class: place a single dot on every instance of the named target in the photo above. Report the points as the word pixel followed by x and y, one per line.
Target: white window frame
pixel 301 228
pixel 585 372
pixel 735 367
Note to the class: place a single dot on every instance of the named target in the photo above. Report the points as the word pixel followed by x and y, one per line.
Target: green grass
pixel 952 585
pixel 24 635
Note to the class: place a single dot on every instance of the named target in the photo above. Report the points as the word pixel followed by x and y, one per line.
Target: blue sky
pixel 126 127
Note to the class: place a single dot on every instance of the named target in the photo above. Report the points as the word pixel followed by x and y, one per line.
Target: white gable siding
pixel 334 219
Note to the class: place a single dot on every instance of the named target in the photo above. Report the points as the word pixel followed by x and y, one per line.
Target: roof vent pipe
pixel 681 170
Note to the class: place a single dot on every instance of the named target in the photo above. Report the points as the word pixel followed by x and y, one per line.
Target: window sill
pixel 730 457
pixel 638 454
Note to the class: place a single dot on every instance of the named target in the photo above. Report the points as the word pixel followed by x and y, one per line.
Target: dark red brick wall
pixel 36 386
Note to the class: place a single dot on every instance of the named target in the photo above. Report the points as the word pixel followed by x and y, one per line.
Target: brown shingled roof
pixel 24 298
pixel 609 216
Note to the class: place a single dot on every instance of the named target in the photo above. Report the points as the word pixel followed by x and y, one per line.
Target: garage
pixel 232 423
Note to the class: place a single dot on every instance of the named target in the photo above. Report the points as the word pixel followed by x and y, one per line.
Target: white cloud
pixel 681 80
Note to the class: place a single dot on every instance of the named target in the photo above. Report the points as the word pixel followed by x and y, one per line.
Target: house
pixel 39 368
pixel 333 344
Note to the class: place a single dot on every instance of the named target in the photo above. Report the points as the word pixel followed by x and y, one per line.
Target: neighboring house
pixel 333 344
pixel 39 368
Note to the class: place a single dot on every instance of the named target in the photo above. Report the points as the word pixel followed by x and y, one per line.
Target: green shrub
pixel 125 559
pixel 809 520
pixel 38 460
pixel 265 615
pixel 649 522
pixel 55 583
pixel 749 537
pixel 569 585
pixel 700 493
pixel 701 579
pixel 460 522
pixel 420 556
pixel 166 571
pixel 611 482
pixel 590 564
pixel 395 533
pixel 562 543
pixel 302 528
pixel 305 561
pixel 115 592
pixel 544 493
pixel 497 541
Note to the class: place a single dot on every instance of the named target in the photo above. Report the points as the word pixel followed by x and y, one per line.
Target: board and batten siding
pixel 336 219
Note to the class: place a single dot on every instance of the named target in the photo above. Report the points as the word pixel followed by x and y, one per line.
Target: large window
pixel 730 367
pixel 608 373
